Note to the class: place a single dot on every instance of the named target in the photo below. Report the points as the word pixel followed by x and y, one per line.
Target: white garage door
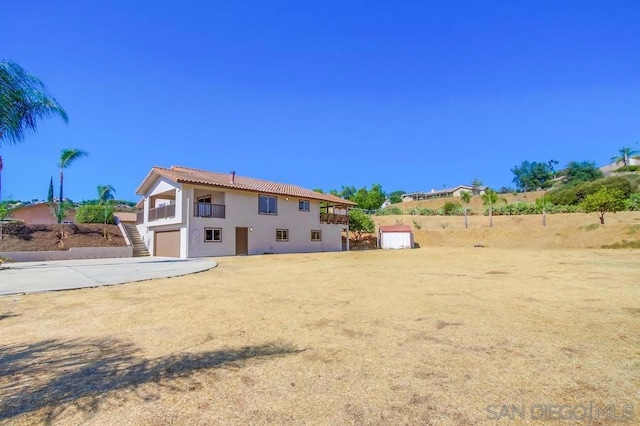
pixel 167 244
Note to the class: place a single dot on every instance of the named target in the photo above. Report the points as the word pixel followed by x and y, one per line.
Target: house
pixel 188 212
pixel 444 193
pixel 395 237
pixel 40 214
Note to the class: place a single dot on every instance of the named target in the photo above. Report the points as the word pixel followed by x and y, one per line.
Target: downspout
pixel 188 236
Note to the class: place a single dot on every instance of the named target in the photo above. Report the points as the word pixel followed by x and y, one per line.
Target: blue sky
pixel 412 95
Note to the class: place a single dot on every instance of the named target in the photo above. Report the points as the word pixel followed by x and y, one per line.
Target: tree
pixel 626 153
pixel 67 157
pixel 584 171
pixel 367 199
pixel 396 196
pixel 603 201
pixel 465 197
pixel 489 198
pixel 24 101
pixel 360 223
pixel 50 193
pixel 105 194
pixel 532 176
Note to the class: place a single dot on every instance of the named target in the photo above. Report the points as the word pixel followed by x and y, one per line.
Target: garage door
pixel 167 244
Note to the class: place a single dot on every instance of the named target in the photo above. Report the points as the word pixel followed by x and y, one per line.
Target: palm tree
pixel 67 157
pixel 105 194
pixel 105 197
pixel 465 197
pixel 23 102
pixel 625 152
pixel 489 198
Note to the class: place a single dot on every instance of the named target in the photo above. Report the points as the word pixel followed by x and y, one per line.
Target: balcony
pixel 162 212
pixel 209 210
pixel 333 218
pixel 140 217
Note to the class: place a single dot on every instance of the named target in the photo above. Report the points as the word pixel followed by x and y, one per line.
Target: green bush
pixel 628 169
pixel 452 208
pixel 92 213
pixel 391 210
pixel 633 202
pixel 574 194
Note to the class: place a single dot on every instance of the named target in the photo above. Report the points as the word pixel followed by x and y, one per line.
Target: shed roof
pixel 395 228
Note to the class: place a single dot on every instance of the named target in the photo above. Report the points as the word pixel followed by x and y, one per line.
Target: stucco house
pixel 444 193
pixel 187 212
pixel 40 214
pixel 395 237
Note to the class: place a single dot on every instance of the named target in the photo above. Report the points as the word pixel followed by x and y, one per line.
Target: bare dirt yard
pixel 444 334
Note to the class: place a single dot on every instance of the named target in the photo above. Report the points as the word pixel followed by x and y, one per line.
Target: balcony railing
pixel 340 219
pixel 162 212
pixel 209 210
pixel 139 217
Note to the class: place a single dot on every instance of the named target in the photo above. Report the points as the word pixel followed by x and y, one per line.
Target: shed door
pixel 167 244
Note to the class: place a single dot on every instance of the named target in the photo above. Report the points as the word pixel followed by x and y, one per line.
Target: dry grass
pixel 426 336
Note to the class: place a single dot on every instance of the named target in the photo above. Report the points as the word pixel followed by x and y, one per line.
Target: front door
pixel 242 241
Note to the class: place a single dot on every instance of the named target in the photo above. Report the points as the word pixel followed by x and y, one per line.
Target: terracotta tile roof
pixel 395 228
pixel 188 175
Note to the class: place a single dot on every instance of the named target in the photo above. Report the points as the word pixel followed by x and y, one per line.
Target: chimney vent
pixel 232 178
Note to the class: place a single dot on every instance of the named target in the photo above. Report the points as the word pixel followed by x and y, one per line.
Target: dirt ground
pixel 19 237
pixel 438 335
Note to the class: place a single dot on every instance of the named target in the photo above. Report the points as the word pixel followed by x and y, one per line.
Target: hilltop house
pixel 187 212
pixel 40 214
pixel 444 193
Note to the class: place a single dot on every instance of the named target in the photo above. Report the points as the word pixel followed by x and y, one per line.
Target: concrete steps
pixel 139 249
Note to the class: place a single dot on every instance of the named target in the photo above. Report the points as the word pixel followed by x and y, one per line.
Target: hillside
pixel 475 204
pixel 574 230
pixel 19 237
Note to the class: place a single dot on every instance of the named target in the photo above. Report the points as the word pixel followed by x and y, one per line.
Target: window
pixel 282 235
pixel 316 236
pixel 267 205
pixel 304 205
pixel 212 235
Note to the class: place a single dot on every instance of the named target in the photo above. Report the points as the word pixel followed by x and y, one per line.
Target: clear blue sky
pixel 413 95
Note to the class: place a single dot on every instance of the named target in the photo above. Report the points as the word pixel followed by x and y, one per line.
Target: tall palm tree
pixel 105 194
pixel 626 152
pixel 489 198
pixel 23 102
pixel 67 157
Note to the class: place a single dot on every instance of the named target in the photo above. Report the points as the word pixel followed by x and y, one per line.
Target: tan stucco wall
pixel 41 214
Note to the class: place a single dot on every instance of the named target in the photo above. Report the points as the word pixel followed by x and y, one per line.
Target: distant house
pixel 188 212
pixel 40 214
pixel 444 193
pixel 395 237
pixel 612 167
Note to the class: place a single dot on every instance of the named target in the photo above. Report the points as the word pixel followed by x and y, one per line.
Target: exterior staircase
pixel 139 249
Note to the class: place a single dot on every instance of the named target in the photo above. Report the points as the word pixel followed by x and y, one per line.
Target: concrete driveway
pixel 31 277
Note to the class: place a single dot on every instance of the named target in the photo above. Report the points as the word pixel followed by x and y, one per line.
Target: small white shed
pixel 395 237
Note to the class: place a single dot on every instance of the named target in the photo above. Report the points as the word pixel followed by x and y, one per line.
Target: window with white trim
pixel 304 205
pixel 282 235
pixel 267 204
pixel 316 235
pixel 212 235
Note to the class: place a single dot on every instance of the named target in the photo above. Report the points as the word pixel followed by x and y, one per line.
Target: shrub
pixel 628 169
pixel 633 202
pixel 452 208
pixel 391 210
pixel 574 194
pixel 91 213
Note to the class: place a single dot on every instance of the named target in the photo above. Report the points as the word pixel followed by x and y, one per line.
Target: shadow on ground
pixel 51 373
